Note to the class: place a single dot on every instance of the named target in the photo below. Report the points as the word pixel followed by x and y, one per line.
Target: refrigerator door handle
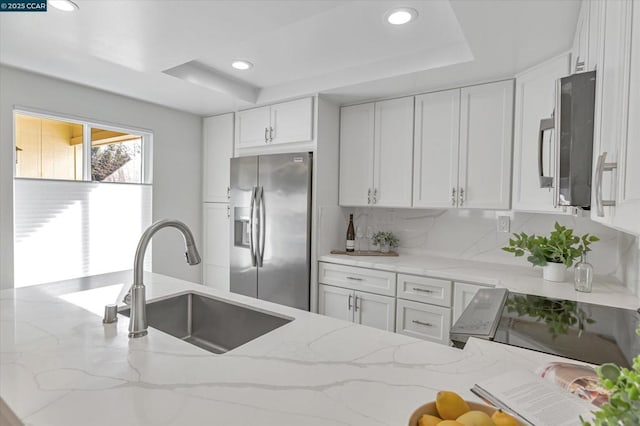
pixel 262 230
pixel 252 227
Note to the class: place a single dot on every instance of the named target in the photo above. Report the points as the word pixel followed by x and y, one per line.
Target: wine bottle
pixel 351 235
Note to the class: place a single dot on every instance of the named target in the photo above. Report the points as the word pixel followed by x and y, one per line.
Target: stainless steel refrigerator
pixel 270 227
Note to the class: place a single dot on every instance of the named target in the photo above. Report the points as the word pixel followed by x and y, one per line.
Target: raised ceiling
pixel 178 53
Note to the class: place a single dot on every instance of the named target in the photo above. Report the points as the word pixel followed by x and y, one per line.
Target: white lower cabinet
pixel 363 308
pixel 417 306
pixel 423 321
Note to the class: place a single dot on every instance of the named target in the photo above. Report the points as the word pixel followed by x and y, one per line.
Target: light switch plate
pixel 504 223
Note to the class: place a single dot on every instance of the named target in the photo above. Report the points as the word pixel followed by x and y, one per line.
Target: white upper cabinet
pixel 376 148
pixel 580 49
pixel 615 197
pixel 292 121
pixel 627 209
pixel 217 150
pixel 356 154
pixel 393 153
pixel 253 127
pixel 486 123
pixel 437 127
pixel 281 123
pixel 535 101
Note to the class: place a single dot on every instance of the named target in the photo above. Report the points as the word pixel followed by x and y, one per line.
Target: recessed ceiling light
pixel 64 5
pixel 401 15
pixel 242 65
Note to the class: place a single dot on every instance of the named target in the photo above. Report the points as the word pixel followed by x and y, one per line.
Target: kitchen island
pixel 59 365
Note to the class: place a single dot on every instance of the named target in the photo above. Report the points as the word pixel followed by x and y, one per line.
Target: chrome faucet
pixel 138 317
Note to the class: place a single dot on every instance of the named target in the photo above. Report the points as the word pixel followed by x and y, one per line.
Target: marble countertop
pixel 607 290
pixel 61 366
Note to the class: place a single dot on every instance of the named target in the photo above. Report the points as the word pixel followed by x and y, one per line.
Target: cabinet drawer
pixel 370 280
pixel 427 322
pixel 424 289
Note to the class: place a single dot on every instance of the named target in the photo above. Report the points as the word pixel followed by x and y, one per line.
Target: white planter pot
pixel 554 272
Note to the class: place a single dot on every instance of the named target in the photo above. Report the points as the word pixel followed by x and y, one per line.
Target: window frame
pixel 87 124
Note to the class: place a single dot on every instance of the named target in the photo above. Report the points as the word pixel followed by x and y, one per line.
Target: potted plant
pixel 623 407
pixel 554 253
pixel 384 240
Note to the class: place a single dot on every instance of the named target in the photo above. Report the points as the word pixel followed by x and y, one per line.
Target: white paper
pixel 539 402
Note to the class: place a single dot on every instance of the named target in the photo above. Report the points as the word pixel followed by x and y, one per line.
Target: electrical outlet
pixel 504 223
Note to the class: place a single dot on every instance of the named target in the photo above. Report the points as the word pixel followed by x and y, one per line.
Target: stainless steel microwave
pixel 570 129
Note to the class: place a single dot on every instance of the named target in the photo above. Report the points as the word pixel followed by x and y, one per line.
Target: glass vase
pixel 583 275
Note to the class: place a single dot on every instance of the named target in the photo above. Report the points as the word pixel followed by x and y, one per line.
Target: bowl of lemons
pixel 450 409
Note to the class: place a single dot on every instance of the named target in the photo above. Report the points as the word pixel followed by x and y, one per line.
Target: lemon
pixel 450 405
pixel 475 418
pixel 500 418
pixel 429 420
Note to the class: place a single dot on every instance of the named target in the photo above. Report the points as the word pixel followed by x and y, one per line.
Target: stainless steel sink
pixel 208 323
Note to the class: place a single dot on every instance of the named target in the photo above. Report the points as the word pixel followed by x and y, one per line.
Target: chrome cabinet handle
pixel 356 307
pixel 349 302
pixel 423 290
pixel 453 196
pixel 375 196
pixel 228 212
pixel 266 133
pixel 354 278
pixel 426 324
pixel 369 196
pixel 270 134
pixel 461 198
pixel 228 193
pixel 601 167
pixel 546 124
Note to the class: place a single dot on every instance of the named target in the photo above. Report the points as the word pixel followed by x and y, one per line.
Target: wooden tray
pixel 364 253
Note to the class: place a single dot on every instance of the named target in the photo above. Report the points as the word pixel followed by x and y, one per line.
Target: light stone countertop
pixel 59 365
pixel 607 290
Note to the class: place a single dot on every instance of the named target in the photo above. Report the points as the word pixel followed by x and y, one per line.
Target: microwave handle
pixel 545 124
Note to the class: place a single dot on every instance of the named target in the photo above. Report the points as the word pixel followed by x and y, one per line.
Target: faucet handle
pixel 110 314
pixel 127 298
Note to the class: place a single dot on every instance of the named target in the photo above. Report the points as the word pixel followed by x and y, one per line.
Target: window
pixel 73 215
pixel 57 148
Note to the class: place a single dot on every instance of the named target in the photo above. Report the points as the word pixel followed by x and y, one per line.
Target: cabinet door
pixel 423 321
pixel 612 93
pixel 375 311
pixel 486 123
pixel 216 245
pixel 335 302
pixel 535 100
pixel 363 279
pixel 437 134
pixel 627 209
pixel 393 153
pixel 217 150
pixel 462 295
pixel 292 121
pixel 580 49
pixel 356 154
pixel 252 127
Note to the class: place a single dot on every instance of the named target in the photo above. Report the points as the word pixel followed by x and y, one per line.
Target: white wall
pixel 176 158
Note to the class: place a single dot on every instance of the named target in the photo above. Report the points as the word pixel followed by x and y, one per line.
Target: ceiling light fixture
pixel 64 5
pixel 242 65
pixel 402 15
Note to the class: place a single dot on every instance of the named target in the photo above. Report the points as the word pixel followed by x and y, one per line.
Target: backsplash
pixel 473 235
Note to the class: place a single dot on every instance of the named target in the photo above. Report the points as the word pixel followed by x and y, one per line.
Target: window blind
pixel 71 229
